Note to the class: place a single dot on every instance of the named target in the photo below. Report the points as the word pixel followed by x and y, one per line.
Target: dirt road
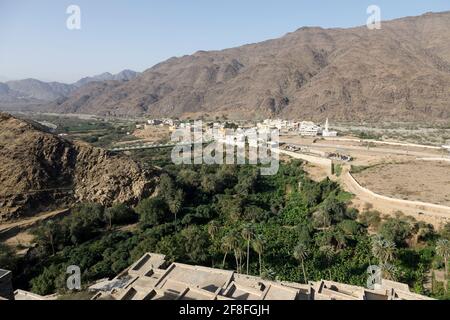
pixel 16 232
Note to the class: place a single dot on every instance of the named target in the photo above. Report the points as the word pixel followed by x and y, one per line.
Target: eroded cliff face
pixel 40 171
pixel 103 178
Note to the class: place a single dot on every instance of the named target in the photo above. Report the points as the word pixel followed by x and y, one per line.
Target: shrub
pixel 119 214
pixel 396 230
pixel 153 212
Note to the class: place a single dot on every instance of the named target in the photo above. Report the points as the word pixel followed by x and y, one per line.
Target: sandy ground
pixel 16 234
pixel 155 134
pixel 364 200
pixel 413 180
pixel 361 151
pixel 316 173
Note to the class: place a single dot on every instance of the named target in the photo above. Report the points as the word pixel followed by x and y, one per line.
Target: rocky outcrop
pixel 40 170
pixel 103 178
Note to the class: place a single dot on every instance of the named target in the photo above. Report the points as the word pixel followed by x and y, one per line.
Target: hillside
pixel 41 170
pixel 401 72
pixel 29 94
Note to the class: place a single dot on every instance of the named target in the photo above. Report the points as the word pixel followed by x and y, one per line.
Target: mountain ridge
pixel 401 72
pixel 32 90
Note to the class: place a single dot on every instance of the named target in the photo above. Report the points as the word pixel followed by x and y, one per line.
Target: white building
pixel 327 133
pixel 308 128
pixel 282 125
pixel 161 122
pixel 154 122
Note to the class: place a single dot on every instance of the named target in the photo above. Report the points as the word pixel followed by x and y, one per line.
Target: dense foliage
pixel 285 226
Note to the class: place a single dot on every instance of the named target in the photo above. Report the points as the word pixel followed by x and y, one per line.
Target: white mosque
pixel 327 133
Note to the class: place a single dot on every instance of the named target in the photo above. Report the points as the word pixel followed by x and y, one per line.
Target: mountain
pixel 401 72
pixel 124 75
pixel 35 89
pixel 22 93
pixel 41 170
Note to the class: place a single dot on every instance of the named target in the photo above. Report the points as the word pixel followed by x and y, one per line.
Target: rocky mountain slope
pixel 401 72
pixel 40 170
pixel 125 75
pixel 31 91
pixel 35 89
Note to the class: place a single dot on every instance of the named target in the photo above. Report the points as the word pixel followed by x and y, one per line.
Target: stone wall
pixel 323 162
pixel 430 208
pixel 6 289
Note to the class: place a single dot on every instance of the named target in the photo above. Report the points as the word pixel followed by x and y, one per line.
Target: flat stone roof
pixel 149 281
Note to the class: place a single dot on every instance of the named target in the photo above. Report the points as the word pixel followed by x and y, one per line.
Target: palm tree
pixel 175 203
pixel 247 234
pixel 388 271
pixel 238 252
pixel 341 240
pixel 328 253
pixel 321 220
pixel 443 250
pixel 48 232
pixel 421 231
pixel 301 253
pixel 231 243
pixel 109 214
pixel 384 251
pixel 213 229
pixel 258 246
pixel 227 246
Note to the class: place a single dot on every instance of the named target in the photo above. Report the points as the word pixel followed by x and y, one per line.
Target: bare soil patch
pixel 413 180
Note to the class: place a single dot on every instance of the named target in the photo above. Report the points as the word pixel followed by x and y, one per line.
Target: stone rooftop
pixel 147 279
pixel 152 278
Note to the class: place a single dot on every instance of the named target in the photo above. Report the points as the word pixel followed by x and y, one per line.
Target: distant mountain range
pixel 401 72
pixel 124 75
pixel 33 91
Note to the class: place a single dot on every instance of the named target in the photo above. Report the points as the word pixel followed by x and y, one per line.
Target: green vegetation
pixel 367 135
pixel 284 227
pixel 96 131
pixel 337 169
pixel 358 169
pixel 7 258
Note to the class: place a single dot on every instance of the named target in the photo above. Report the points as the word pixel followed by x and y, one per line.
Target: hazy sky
pixel 135 34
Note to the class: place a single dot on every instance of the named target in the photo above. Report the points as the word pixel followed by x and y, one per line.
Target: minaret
pixel 326 126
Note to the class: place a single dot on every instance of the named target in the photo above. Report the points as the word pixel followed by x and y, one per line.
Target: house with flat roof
pixel 308 128
pixel 152 278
